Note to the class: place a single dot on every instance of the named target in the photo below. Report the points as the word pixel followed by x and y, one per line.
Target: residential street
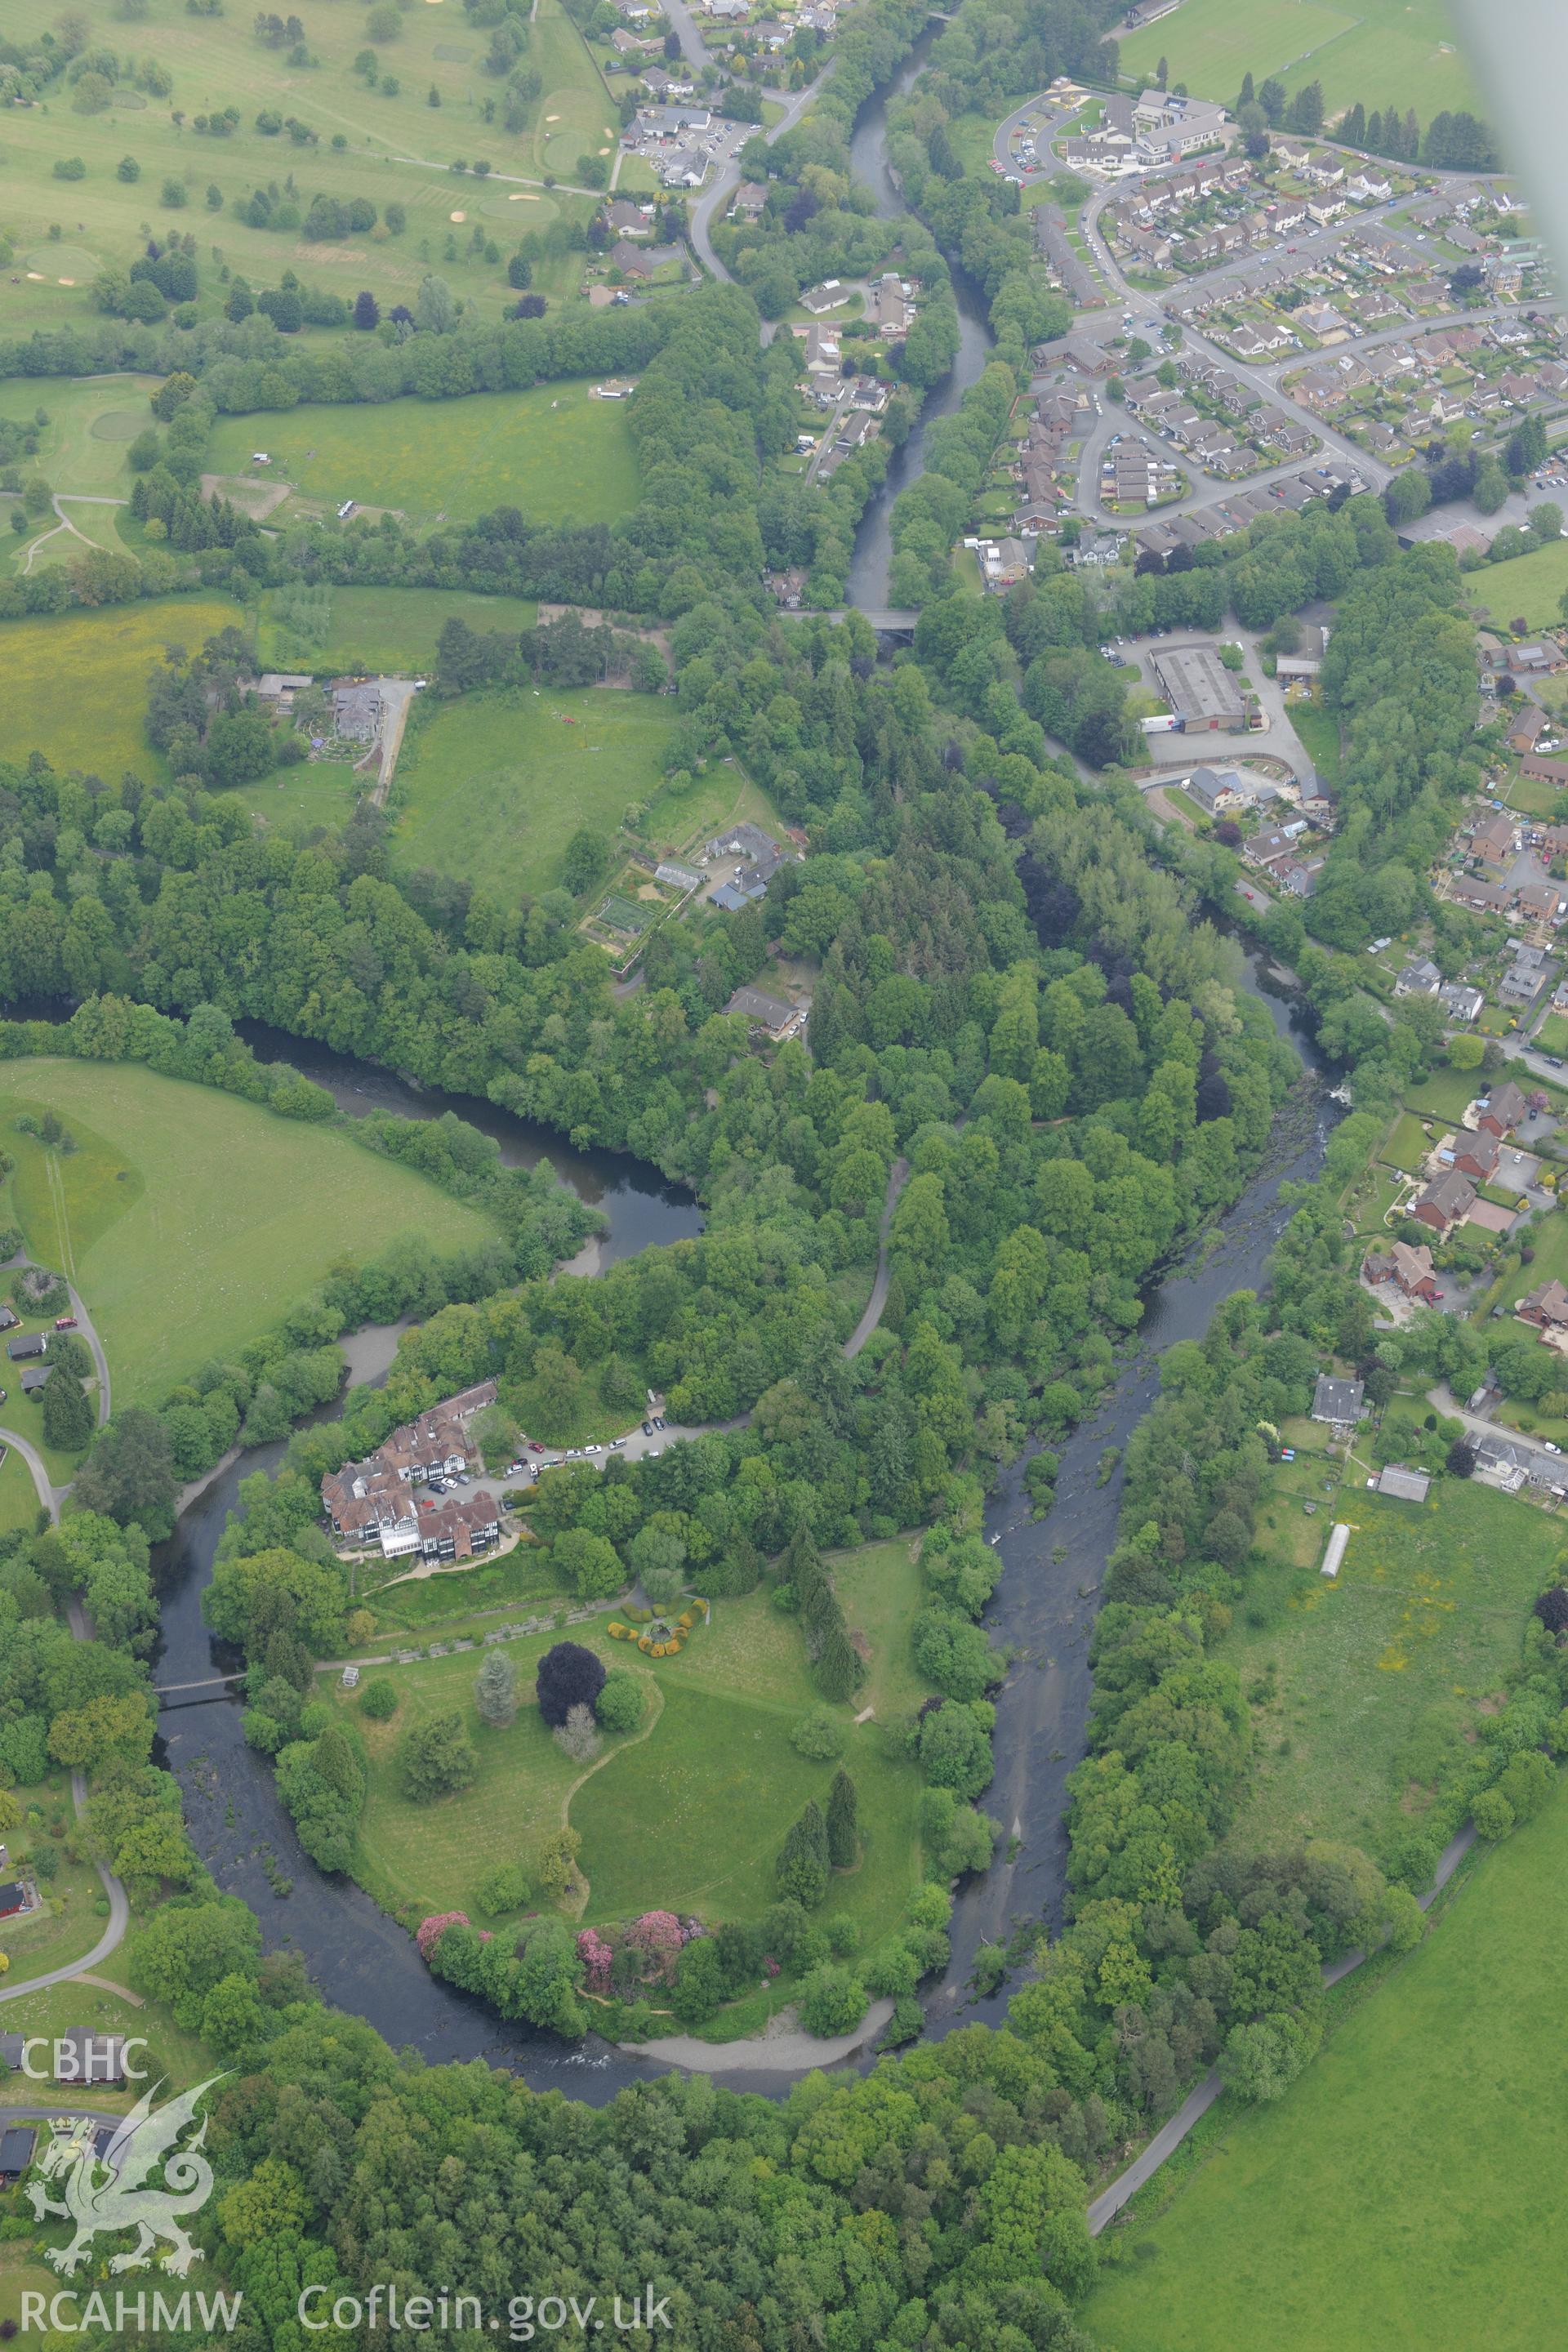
pixel 727 178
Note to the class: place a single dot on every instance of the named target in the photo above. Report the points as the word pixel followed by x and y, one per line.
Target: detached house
pixel 1410 1271
pixel 1501 1110
pixel 1476 1156
pixel 1444 1204
pixel 1494 841
pixel 1547 1308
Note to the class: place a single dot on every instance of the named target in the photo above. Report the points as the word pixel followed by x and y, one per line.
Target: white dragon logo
pixel 106 2194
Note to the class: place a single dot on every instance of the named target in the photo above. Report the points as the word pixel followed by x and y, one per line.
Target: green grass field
pixel 435 1855
pixel 493 786
pixel 1377 1676
pixel 1319 732
pixel 18 1497
pixel 552 451
pixel 1551 1037
pixel 1527 587
pixel 395 147
pixel 296 800
pixel 1399 2195
pixel 91 422
pixel 391 629
pixel 101 659
pixel 1373 51
pixel 1406 1146
pixel 189 1220
pixel 687 1814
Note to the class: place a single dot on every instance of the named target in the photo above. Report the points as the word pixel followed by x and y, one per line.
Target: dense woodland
pixel 1016 992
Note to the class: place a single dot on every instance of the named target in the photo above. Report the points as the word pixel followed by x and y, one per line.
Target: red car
pixel 65 1323
pixel 534 1446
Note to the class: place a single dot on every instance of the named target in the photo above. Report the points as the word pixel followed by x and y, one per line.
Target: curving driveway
pixel 638 1442
pixel 712 200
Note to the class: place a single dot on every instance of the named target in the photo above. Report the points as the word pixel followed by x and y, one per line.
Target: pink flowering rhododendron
pixel 657 1933
pixel 596 1956
pixel 429 1932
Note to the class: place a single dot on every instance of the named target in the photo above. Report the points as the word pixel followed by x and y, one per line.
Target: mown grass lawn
pixel 555 452
pixel 692 1819
pixel 1401 2194
pixel 296 800
pixel 1362 1687
pixel 1401 46
pixel 91 423
pixel 493 786
pixel 688 1814
pixel 576 115
pixel 189 1220
pixel 433 1856
pixel 397 148
pixel 1407 1145
pixel 172 2056
pixel 391 629
pixel 1527 587
pixel 75 682
pixel 18 1496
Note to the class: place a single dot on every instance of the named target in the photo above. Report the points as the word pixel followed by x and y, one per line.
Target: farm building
pixel 1406 1485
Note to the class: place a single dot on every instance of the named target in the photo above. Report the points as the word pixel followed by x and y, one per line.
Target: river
pixel 1045 1607
pixel 642 1206
pixel 872 560
pixel 363 1962
pixel 360 1960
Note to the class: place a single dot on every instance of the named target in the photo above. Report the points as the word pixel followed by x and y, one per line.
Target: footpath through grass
pixel 189 1220
pixel 1404 2193
pixel 688 1814
pixel 1363 1687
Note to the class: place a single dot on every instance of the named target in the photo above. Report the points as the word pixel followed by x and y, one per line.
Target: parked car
pixel 647 1429
pixel 65 1322
pixel 534 1446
